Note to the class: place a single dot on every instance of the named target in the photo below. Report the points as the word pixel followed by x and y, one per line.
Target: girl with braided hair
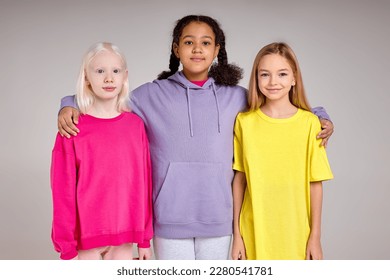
pixel 189 116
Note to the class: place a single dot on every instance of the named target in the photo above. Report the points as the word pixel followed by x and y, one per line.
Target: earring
pixel 293 83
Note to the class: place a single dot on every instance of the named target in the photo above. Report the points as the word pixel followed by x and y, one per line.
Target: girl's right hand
pixel 67 118
pixel 238 249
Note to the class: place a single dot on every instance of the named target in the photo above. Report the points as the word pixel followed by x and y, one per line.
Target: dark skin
pixel 68 118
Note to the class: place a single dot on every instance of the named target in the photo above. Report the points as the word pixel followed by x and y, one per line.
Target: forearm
pixel 239 185
pixel 315 209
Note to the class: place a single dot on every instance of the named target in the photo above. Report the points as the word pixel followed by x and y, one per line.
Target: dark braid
pixel 222 72
pixel 174 64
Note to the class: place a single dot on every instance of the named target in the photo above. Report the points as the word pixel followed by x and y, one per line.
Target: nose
pixel 272 80
pixel 108 79
pixel 196 48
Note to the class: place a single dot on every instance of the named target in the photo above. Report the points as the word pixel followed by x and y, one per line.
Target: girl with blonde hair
pixel 280 164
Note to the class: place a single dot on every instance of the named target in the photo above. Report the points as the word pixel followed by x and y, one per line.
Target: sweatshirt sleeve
pixel 63 185
pixel 321 113
pixel 148 194
pixel 68 101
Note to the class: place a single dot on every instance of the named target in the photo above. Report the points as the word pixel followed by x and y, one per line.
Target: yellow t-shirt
pixel 280 157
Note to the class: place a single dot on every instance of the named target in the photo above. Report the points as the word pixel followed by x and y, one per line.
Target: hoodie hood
pixel 189 87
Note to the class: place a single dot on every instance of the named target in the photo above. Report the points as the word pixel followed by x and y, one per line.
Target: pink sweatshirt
pixel 101 186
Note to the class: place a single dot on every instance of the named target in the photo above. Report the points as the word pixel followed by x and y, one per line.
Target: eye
pixel 187 42
pixel 116 71
pixel 100 71
pixel 283 74
pixel 263 75
pixel 206 43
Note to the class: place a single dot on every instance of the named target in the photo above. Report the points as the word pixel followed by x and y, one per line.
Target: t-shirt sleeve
pixel 319 164
pixel 238 153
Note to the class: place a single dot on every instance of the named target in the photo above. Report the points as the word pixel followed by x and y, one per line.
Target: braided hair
pixel 222 72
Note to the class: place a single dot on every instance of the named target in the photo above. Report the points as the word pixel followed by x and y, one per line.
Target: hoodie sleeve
pixel 148 194
pixel 63 185
pixel 68 101
pixel 321 113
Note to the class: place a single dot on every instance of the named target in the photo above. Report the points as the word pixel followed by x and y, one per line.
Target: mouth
pixel 273 90
pixel 109 89
pixel 197 59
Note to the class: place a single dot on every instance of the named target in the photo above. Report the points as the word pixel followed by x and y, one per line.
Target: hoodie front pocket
pixel 194 192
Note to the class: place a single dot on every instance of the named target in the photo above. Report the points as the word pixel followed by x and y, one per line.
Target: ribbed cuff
pixel 145 244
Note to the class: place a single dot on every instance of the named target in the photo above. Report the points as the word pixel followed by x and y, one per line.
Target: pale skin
pixel 106 75
pixel 143 254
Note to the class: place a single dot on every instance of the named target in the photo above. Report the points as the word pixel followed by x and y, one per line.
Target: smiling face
pixel 106 75
pixel 275 77
pixel 196 50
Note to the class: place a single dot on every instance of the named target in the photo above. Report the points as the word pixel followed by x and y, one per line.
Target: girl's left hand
pixel 314 249
pixel 145 253
pixel 326 132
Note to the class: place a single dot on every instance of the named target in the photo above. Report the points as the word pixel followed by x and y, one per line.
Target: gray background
pixel 343 49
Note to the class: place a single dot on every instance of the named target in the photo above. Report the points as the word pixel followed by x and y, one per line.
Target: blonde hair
pixel 297 93
pixel 84 94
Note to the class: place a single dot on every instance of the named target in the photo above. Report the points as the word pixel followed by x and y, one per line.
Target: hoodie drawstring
pixel 190 113
pixel 216 102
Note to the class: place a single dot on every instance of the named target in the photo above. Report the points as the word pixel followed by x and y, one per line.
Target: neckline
pixel 275 120
pixel 105 119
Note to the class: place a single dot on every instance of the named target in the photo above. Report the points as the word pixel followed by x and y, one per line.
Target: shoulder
pixel 84 121
pixel 239 90
pixel 235 96
pixel 150 87
pixel 247 115
pixel 310 120
pixel 309 116
pixel 131 117
pixel 246 119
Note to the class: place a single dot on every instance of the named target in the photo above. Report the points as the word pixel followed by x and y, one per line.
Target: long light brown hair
pixel 297 93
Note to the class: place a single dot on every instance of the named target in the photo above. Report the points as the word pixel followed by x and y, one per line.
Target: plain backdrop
pixel 343 50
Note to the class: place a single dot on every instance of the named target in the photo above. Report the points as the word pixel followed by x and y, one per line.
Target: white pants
pixel 198 248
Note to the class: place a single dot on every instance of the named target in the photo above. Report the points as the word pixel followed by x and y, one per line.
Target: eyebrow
pixel 265 70
pixel 203 37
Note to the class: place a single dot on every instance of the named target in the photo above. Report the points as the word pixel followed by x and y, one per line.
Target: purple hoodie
pixel 190 131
